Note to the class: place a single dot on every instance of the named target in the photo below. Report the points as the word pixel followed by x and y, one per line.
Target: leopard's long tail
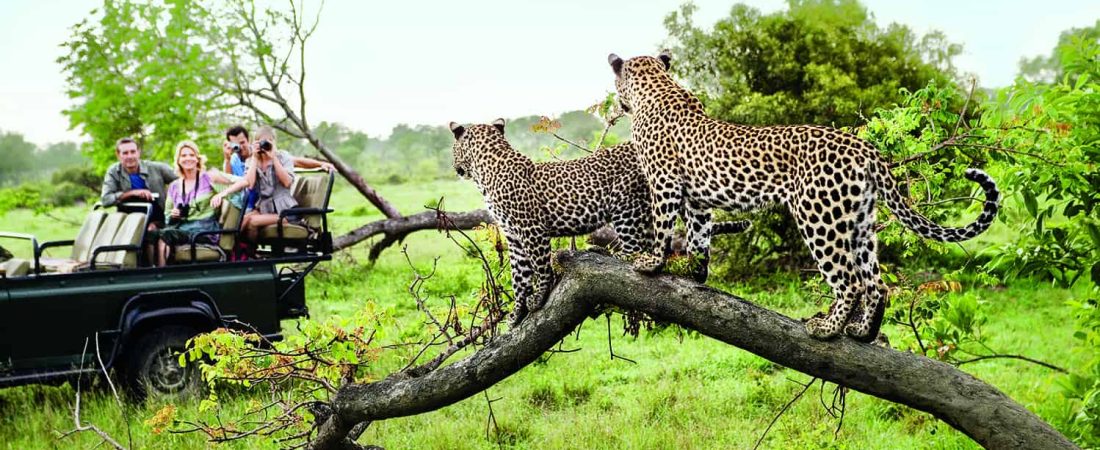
pixel 891 192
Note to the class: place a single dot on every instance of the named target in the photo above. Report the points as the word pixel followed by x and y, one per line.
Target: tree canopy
pixel 140 70
pixel 821 62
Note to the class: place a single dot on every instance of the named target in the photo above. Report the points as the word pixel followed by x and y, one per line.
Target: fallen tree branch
pixel 590 280
pixel 395 230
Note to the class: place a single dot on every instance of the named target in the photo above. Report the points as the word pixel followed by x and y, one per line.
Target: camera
pixel 265 145
pixel 185 209
pixel 235 147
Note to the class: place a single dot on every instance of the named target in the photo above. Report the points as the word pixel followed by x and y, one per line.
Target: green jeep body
pixel 59 326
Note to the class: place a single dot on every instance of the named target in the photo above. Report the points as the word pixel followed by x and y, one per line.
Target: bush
pixel 1083 388
pixel 68 193
pixel 83 177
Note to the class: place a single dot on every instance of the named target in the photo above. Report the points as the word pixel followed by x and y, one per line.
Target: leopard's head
pixel 630 75
pixel 473 144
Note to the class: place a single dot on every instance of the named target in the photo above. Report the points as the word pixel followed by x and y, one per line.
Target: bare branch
pixel 805 387
pixel 80 427
pixel 574 144
pixel 1022 358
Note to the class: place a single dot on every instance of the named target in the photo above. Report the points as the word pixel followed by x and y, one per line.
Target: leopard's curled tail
pixel 891 193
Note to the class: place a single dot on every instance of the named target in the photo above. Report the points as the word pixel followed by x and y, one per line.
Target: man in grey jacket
pixel 134 180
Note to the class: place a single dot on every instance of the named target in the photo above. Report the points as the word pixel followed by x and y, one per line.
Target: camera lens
pixel 265 145
pixel 235 147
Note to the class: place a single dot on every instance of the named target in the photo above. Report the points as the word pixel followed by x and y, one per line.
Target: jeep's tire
pixel 152 364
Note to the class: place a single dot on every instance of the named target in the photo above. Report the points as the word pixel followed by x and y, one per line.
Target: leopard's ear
pixel 499 124
pixel 616 63
pixel 457 130
pixel 666 59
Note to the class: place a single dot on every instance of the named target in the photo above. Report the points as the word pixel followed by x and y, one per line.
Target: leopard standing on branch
pixel 828 179
pixel 533 202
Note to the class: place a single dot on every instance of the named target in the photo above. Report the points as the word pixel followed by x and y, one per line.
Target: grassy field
pixel 683 392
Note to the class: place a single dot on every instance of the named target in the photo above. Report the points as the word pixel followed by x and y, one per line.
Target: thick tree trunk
pixel 589 280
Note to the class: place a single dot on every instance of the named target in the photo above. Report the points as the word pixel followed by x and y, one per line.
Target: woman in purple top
pixel 189 207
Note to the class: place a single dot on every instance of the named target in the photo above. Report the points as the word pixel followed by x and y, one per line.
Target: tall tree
pixel 16 158
pixel 141 70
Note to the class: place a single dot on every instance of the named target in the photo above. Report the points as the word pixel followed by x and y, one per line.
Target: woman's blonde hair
pixel 179 151
pixel 265 132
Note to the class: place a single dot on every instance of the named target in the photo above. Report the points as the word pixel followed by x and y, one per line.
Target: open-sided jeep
pixel 61 318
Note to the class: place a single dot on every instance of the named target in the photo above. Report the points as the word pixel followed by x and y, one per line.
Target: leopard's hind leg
pixel 699 223
pixel 634 225
pixel 864 324
pixel 666 204
pixel 529 257
pixel 828 229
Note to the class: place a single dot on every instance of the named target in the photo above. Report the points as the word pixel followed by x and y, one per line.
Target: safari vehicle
pixel 65 318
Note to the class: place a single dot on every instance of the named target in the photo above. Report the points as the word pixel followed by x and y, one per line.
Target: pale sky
pixel 374 65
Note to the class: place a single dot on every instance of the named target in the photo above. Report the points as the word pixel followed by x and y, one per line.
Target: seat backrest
pixel 16 267
pixel 82 245
pixel 230 218
pixel 106 234
pixel 312 191
pixel 129 233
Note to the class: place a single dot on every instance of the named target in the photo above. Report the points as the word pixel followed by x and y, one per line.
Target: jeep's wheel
pixel 153 367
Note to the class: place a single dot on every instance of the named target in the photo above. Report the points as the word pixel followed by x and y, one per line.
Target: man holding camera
pixel 237 149
pixel 270 174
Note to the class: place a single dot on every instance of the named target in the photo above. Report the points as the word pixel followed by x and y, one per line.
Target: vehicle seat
pixel 130 232
pixel 229 220
pixel 16 267
pixel 101 227
pixel 310 191
pixel 82 245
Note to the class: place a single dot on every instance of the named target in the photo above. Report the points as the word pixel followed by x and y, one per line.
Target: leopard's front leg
pixel 522 278
pixel 666 204
pixel 540 254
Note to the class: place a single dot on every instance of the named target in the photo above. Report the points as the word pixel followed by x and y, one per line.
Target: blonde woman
pixel 189 202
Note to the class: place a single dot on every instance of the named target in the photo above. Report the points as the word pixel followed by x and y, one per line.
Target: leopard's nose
pixel 461 172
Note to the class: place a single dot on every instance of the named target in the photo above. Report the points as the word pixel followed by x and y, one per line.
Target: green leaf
pixel 1030 203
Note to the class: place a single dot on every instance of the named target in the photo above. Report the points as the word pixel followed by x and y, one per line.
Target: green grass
pixel 684 392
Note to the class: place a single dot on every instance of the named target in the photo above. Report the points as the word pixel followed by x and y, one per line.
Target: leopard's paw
pixel 648 263
pixel 519 312
pixel 820 327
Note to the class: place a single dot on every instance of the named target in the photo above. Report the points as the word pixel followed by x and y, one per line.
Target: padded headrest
pixel 311 191
pixel 129 233
pixel 82 245
pixel 106 233
pixel 229 218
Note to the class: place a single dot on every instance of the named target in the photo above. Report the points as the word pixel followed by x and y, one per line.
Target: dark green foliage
pixel 1056 170
pixel 821 62
pixel 85 178
pixel 1083 387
